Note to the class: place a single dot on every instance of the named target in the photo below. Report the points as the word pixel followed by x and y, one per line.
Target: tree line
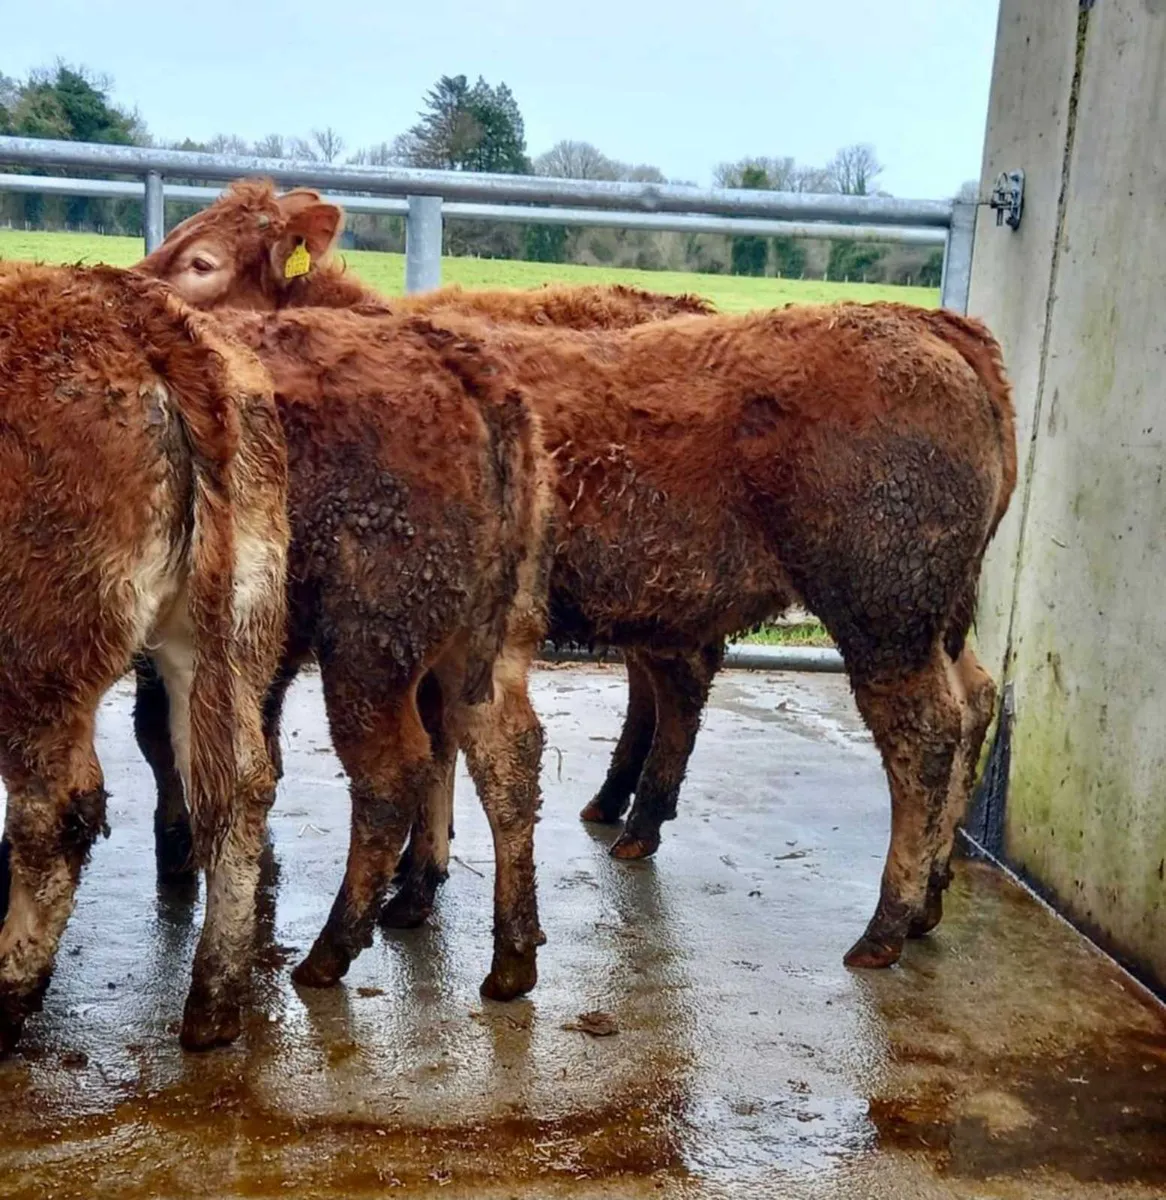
pixel 464 126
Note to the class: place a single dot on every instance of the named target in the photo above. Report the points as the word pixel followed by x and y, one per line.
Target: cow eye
pixel 202 265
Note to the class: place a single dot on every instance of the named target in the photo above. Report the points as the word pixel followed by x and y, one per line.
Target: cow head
pixel 249 248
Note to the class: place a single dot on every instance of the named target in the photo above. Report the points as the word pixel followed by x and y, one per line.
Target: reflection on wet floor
pixel 1003 1058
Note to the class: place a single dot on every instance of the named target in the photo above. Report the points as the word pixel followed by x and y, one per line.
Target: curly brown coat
pixel 713 470
pixel 418 504
pixel 142 497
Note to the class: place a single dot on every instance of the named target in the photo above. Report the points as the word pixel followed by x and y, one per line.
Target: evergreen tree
pixel 468 129
pixel 545 243
pixel 749 255
pixel 69 104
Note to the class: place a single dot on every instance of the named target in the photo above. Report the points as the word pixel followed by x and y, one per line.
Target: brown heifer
pixel 142 494
pixel 234 254
pixel 417 579
pixel 712 472
pixel 855 458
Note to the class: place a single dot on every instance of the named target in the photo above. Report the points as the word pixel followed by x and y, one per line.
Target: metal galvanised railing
pixel 426 198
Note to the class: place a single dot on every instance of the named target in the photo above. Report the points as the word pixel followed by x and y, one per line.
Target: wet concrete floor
pixel 1003 1058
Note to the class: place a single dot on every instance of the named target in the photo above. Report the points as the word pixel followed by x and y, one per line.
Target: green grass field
pixel 809 633
pixel 386 273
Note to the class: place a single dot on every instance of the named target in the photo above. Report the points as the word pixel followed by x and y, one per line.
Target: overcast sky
pixel 680 84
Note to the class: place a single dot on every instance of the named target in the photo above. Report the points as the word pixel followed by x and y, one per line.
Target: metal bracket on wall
pixel 1008 198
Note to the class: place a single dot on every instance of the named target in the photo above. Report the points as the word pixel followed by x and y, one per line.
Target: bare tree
pixel 581 160
pixel 575 160
pixel 777 172
pixel 328 143
pixel 783 174
pixel 9 91
pixel 813 179
pixel 382 154
pixel 641 173
pixel 274 145
pixel 969 191
pixel 854 170
pixel 228 143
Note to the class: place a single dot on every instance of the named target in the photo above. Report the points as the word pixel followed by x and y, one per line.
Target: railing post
pixel 957 257
pixel 153 214
pixel 423 244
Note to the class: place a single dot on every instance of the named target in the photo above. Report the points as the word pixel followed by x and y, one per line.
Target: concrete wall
pixel 1072 608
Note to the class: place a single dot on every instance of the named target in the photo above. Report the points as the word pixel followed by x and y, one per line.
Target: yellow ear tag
pixel 299 262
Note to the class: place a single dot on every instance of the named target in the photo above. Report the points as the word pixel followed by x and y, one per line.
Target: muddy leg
pixel 173 844
pixel 976 694
pixel 503 742
pixel 635 742
pixel 56 809
pixel 223 957
pixel 225 953
pixel 916 724
pixel 296 655
pixel 5 876
pixel 388 760
pixel 424 865
pixel 427 864
pixel 681 684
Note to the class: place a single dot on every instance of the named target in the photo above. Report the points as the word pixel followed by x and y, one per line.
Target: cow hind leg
pixel 916 722
pixel 389 764
pixel 295 656
pixel 56 809
pixel 424 864
pixel 635 742
pixel 681 687
pixel 975 693
pixel 220 976
pixel 173 840
pixel 503 740
pixel 5 878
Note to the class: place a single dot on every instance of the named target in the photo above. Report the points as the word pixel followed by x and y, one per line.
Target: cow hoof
pixel 207 1025
pixel 416 893
pixel 405 911
pixel 179 893
pixel 927 920
pixel 5 878
pixel 174 853
pixel 404 869
pixel 11 1025
pixel 324 967
pixel 599 812
pixel 629 847
pixel 870 954
pixel 511 976
pixel 15 1008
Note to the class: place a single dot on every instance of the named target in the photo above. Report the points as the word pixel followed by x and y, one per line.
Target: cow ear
pixel 297 199
pixel 316 226
pixel 308 237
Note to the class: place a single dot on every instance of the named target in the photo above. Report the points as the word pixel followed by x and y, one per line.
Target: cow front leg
pixel 388 759
pixel 631 751
pixel 173 841
pixel 503 743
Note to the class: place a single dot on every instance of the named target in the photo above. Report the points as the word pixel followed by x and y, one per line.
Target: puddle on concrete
pixel 1003 1058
